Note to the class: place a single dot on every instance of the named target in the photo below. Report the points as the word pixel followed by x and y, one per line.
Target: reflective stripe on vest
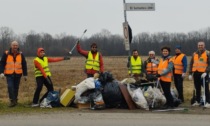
pixel 161 67
pixel 92 63
pixel 135 65
pixel 13 65
pixel 151 68
pixel 44 64
pixel 200 63
pixel 178 65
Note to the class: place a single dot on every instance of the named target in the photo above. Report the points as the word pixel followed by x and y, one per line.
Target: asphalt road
pixel 104 119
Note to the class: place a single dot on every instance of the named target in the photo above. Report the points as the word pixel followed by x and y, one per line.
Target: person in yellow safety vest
pixel 151 66
pixel 94 63
pixel 164 75
pixel 135 65
pixel 199 70
pixel 179 71
pixel 13 66
pixel 42 74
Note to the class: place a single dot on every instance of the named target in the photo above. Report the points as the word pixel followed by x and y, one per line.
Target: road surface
pixel 104 119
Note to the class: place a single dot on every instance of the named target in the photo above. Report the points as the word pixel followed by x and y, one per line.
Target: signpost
pixel 133 7
pixel 139 6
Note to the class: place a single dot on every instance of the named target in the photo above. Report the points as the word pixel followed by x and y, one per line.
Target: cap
pixel 178 47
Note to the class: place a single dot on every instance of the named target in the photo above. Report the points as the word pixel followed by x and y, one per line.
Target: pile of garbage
pixel 103 91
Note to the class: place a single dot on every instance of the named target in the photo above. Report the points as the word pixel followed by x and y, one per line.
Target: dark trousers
pixel 178 81
pixel 166 86
pixel 13 83
pixel 40 81
pixel 198 82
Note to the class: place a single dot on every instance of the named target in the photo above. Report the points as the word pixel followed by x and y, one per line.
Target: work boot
pixel 12 103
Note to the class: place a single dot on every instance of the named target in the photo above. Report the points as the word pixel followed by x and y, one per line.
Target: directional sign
pixel 139 6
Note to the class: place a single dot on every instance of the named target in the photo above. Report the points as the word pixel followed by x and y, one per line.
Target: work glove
pixel 149 60
pixel 183 75
pixel 190 77
pixel 25 78
pixel 2 75
pixel 48 80
pixel 203 75
pixel 158 75
pixel 66 58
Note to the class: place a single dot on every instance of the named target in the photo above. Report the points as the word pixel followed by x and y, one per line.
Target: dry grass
pixel 67 73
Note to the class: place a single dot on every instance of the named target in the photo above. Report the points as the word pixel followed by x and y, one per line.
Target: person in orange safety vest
pixel 164 75
pixel 13 66
pixel 179 71
pixel 151 66
pixel 199 71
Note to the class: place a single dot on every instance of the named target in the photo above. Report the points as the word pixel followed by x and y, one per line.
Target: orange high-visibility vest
pixel 151 68
pixel 13 65
pixel 161 67
pixel 178 66
pixel 93 63
pixel 200 63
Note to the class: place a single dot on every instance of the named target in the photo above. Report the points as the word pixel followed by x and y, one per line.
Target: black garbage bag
pixel 105 77
pixel 112 95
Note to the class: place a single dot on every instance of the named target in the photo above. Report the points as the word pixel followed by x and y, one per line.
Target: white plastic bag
pixel 154 94
pixel 138 97
pixel 83 86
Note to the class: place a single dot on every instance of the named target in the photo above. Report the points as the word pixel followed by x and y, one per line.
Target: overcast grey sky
pixel 74 16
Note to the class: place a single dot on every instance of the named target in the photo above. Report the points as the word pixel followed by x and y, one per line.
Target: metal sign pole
pixel 127 35
pixel 125 16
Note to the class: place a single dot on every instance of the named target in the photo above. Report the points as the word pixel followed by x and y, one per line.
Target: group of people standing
pixel 13 65
pixel 174 68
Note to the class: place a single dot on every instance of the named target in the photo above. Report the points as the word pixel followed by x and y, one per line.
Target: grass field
pixel 70 72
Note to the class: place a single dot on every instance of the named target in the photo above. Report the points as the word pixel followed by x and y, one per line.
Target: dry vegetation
pixel 67 73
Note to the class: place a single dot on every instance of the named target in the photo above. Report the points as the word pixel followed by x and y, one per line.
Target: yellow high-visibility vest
pixel 135 65
pixel 44 64
pixel 93 63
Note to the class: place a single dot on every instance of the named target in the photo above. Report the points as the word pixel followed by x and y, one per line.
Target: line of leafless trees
pixel 108 44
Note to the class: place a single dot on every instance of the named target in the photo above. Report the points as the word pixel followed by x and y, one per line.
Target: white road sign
pixel 126 36
pixel 139 6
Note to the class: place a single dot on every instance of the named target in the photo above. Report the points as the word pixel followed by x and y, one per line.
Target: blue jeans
pixel 13 83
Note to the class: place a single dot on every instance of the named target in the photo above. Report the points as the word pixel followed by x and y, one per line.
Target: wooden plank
pixel 128 99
